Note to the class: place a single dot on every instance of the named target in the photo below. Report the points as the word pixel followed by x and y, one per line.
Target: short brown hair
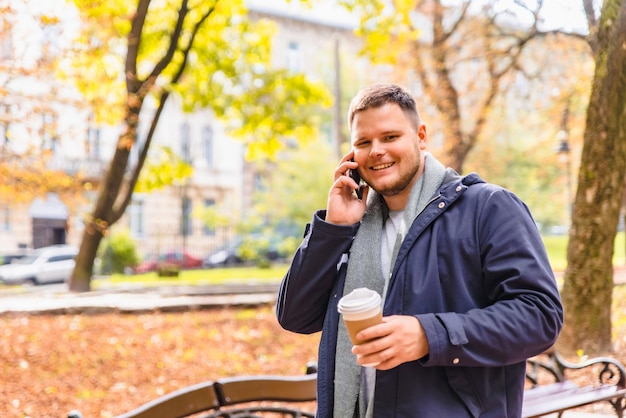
pixel 379 94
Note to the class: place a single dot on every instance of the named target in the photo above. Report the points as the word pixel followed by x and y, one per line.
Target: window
pixel 209 206
pixel 93 136
pixel 64 257
pixel 207 145
pixel 294 57
pixel 136 215
pixel 49 122
pixel 185 142
pixel 51 36
pixel 259 183
pixel 185 220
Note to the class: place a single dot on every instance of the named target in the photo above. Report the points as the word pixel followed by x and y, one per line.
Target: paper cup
pixel 360 309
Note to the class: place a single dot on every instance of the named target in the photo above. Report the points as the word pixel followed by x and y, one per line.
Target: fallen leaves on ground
pixel 107 364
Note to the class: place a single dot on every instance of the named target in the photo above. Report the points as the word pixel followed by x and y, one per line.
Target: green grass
pixel 556 246
pixel 200 277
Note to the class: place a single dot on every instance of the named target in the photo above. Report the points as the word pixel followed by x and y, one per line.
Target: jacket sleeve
pixel 306 289
pixel 520 314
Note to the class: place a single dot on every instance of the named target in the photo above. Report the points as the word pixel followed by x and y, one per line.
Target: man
pixel 468 291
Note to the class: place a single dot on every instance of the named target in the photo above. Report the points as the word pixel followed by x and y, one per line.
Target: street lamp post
pixel 564 151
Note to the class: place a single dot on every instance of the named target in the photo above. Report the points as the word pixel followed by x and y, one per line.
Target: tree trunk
pixel 81 277
pixel 105 212
pixel 588 286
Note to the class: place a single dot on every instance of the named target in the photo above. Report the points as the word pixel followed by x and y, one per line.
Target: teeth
pixel 380 167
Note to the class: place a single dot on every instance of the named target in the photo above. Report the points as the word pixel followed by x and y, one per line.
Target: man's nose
pixel 377 148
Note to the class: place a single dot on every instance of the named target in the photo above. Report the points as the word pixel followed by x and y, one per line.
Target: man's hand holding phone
pixel 347 196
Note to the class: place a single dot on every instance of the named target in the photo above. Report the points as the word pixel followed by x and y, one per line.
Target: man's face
pixel 388 150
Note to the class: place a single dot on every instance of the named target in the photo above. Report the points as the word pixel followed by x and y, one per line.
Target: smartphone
pixel 354 174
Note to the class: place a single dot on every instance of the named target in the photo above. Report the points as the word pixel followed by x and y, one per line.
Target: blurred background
pixel 226 164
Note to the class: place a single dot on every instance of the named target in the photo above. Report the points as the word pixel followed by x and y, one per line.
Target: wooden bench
pixel 236 397
pixel 553 390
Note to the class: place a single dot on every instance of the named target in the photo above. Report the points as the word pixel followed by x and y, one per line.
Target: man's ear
pixel 422 135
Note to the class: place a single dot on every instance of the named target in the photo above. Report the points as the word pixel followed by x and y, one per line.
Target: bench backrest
pixel 234 396
pixel 181 403
pixel 553 366
pixel 236 390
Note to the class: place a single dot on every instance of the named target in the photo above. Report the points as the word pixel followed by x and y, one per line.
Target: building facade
pixel 223 182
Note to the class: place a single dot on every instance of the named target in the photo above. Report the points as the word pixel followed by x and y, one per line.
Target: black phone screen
pixel 354 174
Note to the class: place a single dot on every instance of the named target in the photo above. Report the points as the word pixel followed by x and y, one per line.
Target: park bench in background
pixel 237 397
pixel 234 392
pixel 187 401
pixel 554 390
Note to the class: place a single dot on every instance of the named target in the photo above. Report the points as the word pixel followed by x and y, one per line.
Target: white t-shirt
pixel 390 233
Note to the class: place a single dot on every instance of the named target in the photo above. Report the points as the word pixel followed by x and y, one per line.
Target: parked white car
pixel 43 265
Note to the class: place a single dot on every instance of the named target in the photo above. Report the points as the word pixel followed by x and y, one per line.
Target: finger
pixel 349 156
pixel 344 167
pixel 375 331
pixel 364 363
pixel 371 360
pixel 343 185
pixel 384 359
pixel 372 349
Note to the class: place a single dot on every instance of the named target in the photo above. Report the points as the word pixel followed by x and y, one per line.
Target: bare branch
pixel 592 21
pixel 143 152
pixel 189 45
pixel 135 85
pixel 134 39
pixel 458 22
pixel 169 55
pixel 122 203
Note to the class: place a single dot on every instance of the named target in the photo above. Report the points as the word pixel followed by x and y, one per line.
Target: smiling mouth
pixel 382 166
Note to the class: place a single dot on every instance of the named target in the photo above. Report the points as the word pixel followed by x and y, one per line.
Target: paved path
pixel 57 300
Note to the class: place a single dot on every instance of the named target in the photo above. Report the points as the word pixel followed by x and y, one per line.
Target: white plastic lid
pixel 359 300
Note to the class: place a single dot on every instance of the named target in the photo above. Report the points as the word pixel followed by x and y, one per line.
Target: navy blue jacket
pixel 474 271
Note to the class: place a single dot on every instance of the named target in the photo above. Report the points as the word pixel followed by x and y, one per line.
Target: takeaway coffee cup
pixel 360 309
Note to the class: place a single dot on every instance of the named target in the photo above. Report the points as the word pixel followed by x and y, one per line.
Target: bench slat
pixel 566 397
pixel 546 390
pixel 190 400
pixel 267 388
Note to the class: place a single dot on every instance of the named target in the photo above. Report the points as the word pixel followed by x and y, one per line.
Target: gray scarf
pixel 366 271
